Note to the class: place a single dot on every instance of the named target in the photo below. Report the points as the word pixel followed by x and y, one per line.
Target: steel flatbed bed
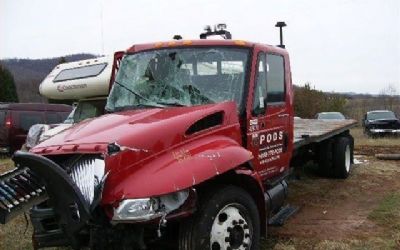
pixel 307 131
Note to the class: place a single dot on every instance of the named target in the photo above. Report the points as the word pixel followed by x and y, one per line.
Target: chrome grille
pixel 88 173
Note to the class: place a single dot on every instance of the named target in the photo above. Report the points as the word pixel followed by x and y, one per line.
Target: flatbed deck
pixel 307 131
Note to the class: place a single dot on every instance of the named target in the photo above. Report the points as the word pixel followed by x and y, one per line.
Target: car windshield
pixel 381 115
pixel 179 77
pixel 331 115
pixel 70 118
pixel 88 109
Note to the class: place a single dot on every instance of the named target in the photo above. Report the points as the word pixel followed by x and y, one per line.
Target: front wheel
pixel 227 219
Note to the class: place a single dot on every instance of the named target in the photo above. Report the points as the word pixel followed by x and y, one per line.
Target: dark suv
pixel 381 122
pixel 17 118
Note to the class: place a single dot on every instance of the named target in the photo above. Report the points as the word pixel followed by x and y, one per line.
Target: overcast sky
pixel 342 45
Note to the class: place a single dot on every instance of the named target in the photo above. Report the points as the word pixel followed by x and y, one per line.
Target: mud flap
pixel 65 197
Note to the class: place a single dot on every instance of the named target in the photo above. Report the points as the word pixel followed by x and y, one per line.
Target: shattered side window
pixel 207 68
pixel 189 67
pixel 179 77
pixel 232 67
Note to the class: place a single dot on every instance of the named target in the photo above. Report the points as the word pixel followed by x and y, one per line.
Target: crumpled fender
pixel 177 169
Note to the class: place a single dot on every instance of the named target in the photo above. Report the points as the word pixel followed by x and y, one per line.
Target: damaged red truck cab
pixel 194 151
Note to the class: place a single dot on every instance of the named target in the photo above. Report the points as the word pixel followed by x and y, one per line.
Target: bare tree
pixel 389 96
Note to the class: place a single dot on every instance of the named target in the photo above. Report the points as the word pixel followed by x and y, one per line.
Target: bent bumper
pixel 20 189
pixel 69 206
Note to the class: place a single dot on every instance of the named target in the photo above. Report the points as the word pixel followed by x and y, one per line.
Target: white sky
pixel 339 45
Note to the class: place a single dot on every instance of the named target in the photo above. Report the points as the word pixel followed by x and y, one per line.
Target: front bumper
pixel 69 205
pixel 384 131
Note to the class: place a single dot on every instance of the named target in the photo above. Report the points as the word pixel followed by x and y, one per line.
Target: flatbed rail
pixel 307 131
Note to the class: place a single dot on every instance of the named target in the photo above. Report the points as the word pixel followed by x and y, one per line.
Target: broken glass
pixel 179 77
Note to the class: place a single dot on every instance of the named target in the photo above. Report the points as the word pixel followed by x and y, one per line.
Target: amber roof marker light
pixel 280 25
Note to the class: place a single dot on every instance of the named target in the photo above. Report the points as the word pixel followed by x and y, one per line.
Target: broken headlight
pixel 149 208
pixel 33 136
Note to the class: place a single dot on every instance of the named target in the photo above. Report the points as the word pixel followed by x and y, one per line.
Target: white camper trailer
pixel 78 80
pixel 86 81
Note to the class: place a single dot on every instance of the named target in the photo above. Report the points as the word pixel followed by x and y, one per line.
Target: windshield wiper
pixel 178 104
pixel 138 106
pixel 138 95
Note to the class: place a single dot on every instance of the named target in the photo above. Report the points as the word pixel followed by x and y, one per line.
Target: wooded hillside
pixel 29 73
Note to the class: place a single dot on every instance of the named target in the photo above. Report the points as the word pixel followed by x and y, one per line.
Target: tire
pixel 351 138
pixel 325 158
pixel 227 219
pixel 342 154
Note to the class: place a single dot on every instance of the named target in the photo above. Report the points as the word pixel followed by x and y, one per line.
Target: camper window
pixel 80 72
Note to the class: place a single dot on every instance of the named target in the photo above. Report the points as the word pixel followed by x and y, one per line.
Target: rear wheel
pixel 342 154
pixel 325 158
pixel 227 219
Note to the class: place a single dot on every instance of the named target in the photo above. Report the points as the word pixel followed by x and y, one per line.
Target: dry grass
pixel 17 233
pixel 374 183
pixel 364 140
pixel 381 212
pixel 6 164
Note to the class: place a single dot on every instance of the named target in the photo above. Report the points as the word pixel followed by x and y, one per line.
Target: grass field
pixel 361 212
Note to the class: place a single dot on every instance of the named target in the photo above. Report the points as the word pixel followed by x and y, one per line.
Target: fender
pixel 251 181
pixel 176 169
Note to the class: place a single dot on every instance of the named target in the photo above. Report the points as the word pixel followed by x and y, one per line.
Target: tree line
pixel 8 92
pixel 308 101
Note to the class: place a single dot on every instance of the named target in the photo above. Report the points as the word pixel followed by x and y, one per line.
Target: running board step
pixel 20 189
pixel 284 213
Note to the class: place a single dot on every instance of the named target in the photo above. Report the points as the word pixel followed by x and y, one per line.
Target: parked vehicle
pixel 87 81
pixel 17 118
pixel 381 122
pixel 195 151
pixel 78 80
pixel 84 109
pixel 330 116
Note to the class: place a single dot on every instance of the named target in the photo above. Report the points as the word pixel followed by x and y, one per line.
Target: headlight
pixel 149 208
pixel 137 209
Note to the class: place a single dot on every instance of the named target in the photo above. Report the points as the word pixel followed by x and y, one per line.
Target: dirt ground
pixel 361 212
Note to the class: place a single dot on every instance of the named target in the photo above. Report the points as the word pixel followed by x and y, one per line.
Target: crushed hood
pixel 147 129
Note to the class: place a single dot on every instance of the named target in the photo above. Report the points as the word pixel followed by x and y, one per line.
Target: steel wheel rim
pixel 347 158
pixel 230 229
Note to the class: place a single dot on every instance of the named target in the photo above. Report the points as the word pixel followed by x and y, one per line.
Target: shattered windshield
pixel 179 77
pixel 381 115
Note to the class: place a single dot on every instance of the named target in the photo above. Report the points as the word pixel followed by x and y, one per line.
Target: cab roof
pixel 202 43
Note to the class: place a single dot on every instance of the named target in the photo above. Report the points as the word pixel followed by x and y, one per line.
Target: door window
pixel 275 79
pixel 29 119
pixel 260 86
pixel 52 118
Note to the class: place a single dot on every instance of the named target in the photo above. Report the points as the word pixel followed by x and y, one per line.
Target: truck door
pixel 268 128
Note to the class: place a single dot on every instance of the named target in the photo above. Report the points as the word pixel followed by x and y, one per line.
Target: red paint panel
pixel 176 169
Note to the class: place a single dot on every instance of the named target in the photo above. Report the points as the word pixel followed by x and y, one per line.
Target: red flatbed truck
pixel 194 153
